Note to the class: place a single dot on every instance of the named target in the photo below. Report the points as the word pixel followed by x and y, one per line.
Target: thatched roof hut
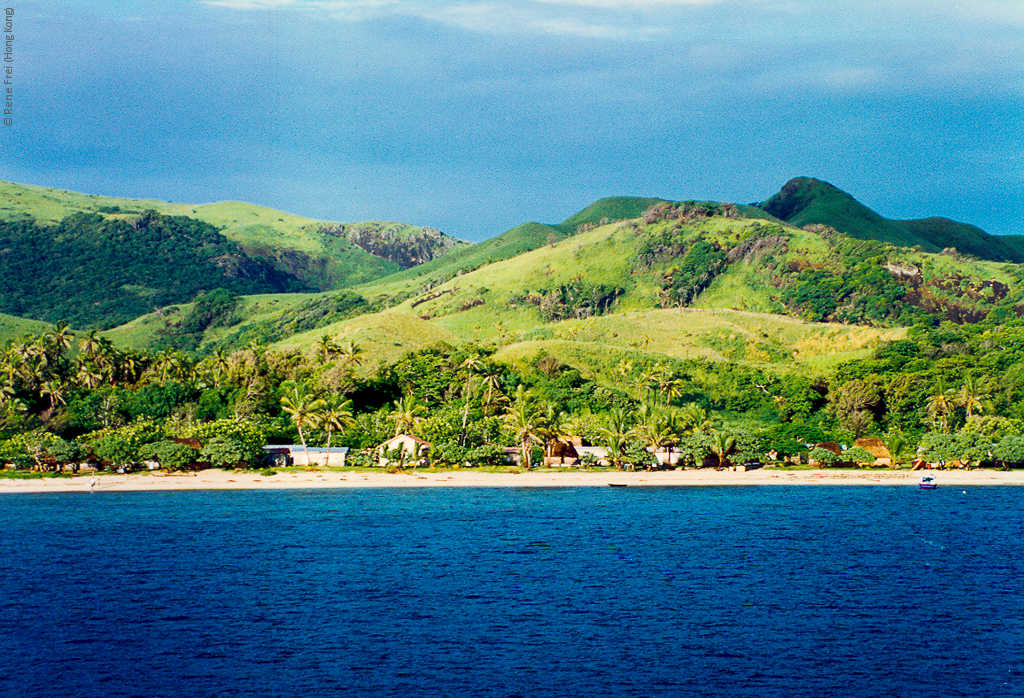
pixel 875 447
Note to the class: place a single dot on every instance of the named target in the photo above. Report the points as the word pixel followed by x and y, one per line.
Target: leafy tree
pixel 1009 450
pixel 222 452
pixel 823 456
pixel 170 455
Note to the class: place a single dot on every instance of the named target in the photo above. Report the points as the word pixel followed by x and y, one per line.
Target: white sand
pixel 225 480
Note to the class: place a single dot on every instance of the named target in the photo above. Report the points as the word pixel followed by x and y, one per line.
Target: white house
pixel 294 454
pixel 415 449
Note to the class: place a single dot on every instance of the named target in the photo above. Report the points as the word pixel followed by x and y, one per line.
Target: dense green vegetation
pixel 805 201
pixel 946 393
pixel 94 271
pixel 636 325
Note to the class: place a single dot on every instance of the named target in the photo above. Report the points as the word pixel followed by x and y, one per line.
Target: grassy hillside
pixel 522 238
pixel 93 271
pixel 806 201
pixel 311 250
pixel 12 327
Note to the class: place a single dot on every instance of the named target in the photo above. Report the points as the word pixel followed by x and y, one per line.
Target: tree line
pixel 945 393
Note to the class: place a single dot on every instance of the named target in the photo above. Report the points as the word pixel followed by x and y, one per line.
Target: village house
pixel 283 455
pixel 414 449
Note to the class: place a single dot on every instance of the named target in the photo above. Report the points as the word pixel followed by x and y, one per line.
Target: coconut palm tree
pixel 326 348
pixel 491 383
pixel 407 415
pixel 304 408
pixel 971 396
pixel 351 353
pixel 471 364
pixel 616 431
pixel 59 339
pixel 722 445
pixel 552 427
pixel 940 405
pixel 655 428
pixel 525 417
pixel 337 416
pixel 88 376
pixel 694 419
pixel 89 345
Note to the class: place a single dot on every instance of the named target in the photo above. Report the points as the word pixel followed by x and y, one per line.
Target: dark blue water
pixel 772 591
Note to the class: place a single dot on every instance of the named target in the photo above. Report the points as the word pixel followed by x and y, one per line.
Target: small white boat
pixel 928 483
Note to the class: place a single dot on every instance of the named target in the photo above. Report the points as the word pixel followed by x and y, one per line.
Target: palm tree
pixel 525 417
pixel 54 390
pixel 971 395
pixel 472 363
pixel 693 419
pixel 721 445
pixel 491 382
pixel 351 352
pixel 89 376
pixel 407 415
pixel 898 446
pixel 304 408
pixel 59 339
pixel 326 348
pixel 940 406
pixel 89 345
pixel 552 427
pixel 616 431
pixel 337 416
pixel 655 428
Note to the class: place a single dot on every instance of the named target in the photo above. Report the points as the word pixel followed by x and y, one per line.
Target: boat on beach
pixel 928 483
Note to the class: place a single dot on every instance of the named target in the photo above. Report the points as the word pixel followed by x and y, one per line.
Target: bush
pixel 486 456
pixel 221 452
pixel 1010 449
pixel 823 456
pixel 859 455
pixel 169 454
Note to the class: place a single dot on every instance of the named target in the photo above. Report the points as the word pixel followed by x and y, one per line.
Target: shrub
pixel 823 456
pixel 169 454
pixel 222 452
pixel 489 455
pixel 859 455
pixel 1010 449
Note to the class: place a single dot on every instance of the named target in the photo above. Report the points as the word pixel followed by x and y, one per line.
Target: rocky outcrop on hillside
pixel 405 245
pixel 240 266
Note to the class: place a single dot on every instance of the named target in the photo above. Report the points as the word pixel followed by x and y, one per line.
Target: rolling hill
pixel 628 282
pixel 100 261
pixel 322 255
pixel 806 201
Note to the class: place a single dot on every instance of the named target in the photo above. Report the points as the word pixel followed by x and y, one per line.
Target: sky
pixel 473 116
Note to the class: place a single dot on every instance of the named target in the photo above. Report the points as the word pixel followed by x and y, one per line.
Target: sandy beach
pixel 227 480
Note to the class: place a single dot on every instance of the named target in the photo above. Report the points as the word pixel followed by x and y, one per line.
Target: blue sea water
pixel 770 591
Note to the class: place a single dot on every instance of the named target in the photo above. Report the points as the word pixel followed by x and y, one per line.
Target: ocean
pixel 689 591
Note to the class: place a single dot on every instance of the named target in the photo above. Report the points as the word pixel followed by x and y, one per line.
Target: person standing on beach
pixel 92 483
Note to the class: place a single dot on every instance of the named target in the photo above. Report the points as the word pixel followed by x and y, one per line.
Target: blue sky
pixel 473 116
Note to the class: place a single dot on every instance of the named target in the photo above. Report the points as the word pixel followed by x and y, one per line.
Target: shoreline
pixel 230 480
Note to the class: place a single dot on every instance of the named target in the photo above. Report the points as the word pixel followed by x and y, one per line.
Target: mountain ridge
pixel 806 201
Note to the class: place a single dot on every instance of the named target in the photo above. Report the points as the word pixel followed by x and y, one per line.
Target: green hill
pixel 522 238
pixel 321 254
pixel 805 201
pixel 93 271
